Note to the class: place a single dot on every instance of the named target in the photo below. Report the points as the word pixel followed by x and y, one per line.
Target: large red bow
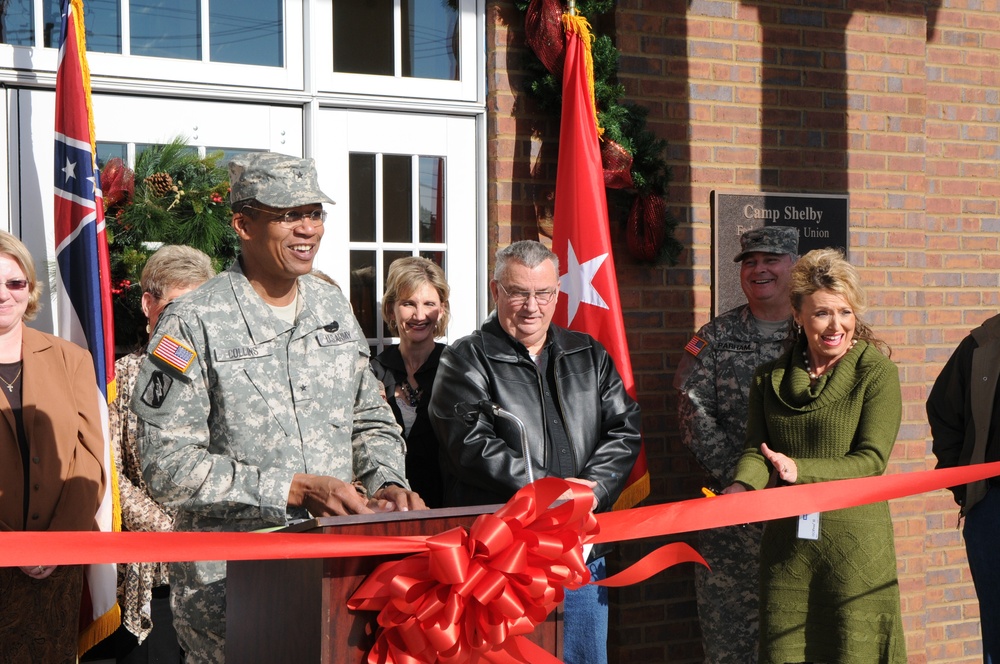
pixel 472 595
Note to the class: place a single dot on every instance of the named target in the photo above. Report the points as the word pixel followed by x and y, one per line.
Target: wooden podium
pixel 296 610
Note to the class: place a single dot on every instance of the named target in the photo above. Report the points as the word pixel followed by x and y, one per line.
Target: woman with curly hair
pixel 827 409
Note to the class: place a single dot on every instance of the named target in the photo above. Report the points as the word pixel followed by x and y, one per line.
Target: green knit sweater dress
pixel 835 599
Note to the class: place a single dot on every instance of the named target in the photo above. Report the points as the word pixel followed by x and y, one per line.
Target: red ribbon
pixel 470 596
pixel 75 548
pixel 777 503
pixel 473 595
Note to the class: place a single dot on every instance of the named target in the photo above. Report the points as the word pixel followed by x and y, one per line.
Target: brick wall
pixel 896 104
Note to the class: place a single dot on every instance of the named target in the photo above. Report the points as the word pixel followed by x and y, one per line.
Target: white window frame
pixel 144 68
pixel 468 87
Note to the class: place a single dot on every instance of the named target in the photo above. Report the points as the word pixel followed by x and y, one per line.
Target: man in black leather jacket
pixel 580 422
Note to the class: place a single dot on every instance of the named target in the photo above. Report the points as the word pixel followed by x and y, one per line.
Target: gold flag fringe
pixel 579 26
pixel 633 494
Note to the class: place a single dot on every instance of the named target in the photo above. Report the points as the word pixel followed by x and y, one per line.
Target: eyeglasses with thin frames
pixel 15 284
pixel 292 218
pixel 519 298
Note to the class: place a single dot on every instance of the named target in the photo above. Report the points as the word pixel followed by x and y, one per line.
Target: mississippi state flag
pixel 84 302
pixel 589 299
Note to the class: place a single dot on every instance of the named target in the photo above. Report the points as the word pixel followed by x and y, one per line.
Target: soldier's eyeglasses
pixel 519 298
pixel 293 218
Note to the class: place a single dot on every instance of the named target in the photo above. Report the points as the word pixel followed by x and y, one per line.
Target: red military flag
pixel 84 302
pixel 581 237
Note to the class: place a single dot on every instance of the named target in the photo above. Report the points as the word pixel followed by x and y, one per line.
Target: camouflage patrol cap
pixel 277 180
pixel 769 240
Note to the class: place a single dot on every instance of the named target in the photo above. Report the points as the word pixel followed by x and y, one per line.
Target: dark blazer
pixel 62 420
pixel 423 468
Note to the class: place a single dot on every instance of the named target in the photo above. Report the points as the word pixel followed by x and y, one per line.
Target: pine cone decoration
pixel 159 183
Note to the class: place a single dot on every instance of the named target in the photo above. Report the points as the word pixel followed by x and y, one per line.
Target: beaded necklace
pixel 805 359
pixel 411 393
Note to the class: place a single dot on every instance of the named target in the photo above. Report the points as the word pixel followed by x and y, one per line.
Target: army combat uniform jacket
pixel 233 402
pixel 714 380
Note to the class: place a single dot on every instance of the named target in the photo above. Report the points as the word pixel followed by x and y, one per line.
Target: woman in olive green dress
pixel 827 409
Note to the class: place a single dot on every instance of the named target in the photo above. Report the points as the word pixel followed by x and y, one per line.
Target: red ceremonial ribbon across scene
pixel 471 595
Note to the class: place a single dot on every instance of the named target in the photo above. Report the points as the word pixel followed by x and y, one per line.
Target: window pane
pixel 227 153
pixel 106 151
pixel 166 28
pixel 387 258
pixel 247 32
pixel 101 19
pixel 431 199
pixel 363 37
pixel 397 198
pixel 430 39
pixel 142 147
pixel 17 25
pixel 436 256
pixel 363 296
pixel 362 188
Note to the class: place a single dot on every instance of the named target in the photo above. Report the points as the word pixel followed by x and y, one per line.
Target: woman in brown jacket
pixel 51 475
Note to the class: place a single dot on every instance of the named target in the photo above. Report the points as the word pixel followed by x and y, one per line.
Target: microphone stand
pixel 469 412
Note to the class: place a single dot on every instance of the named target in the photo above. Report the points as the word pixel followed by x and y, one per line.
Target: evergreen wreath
pixel 172 197
pixel 635 170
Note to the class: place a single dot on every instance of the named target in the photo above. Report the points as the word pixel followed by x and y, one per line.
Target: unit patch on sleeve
pixel 174 353
pixel 157 389
pixel 696 345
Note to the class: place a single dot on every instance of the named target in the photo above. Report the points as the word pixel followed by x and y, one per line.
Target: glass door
pixel 405 185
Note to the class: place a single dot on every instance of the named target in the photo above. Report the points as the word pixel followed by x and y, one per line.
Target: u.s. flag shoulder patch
pixel 696 345
pixel 173 353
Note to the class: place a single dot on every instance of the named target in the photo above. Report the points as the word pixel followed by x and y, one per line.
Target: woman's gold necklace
pixel 10 385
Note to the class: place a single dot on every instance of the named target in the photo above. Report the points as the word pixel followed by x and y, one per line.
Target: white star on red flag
pixel 578 283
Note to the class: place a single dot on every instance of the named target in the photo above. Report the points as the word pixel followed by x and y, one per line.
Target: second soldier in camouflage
pixel 713 380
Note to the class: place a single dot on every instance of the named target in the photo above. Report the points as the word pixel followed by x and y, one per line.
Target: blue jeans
pixel 982 544
pixel 585 620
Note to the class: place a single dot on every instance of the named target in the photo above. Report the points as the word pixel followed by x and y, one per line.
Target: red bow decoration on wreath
pixel 472 595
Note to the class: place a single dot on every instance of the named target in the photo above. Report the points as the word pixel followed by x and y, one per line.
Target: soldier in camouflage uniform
pixel 714 381
pixel 255 402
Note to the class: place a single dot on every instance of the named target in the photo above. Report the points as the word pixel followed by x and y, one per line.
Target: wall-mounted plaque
pixel 820 218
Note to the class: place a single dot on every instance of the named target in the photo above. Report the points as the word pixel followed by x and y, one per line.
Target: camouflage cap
pixel 277 180
pixel 769 240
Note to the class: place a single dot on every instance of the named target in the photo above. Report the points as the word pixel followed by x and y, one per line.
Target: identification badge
pixel 809 526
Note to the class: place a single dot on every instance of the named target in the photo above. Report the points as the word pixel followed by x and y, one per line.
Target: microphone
pixel 470 412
